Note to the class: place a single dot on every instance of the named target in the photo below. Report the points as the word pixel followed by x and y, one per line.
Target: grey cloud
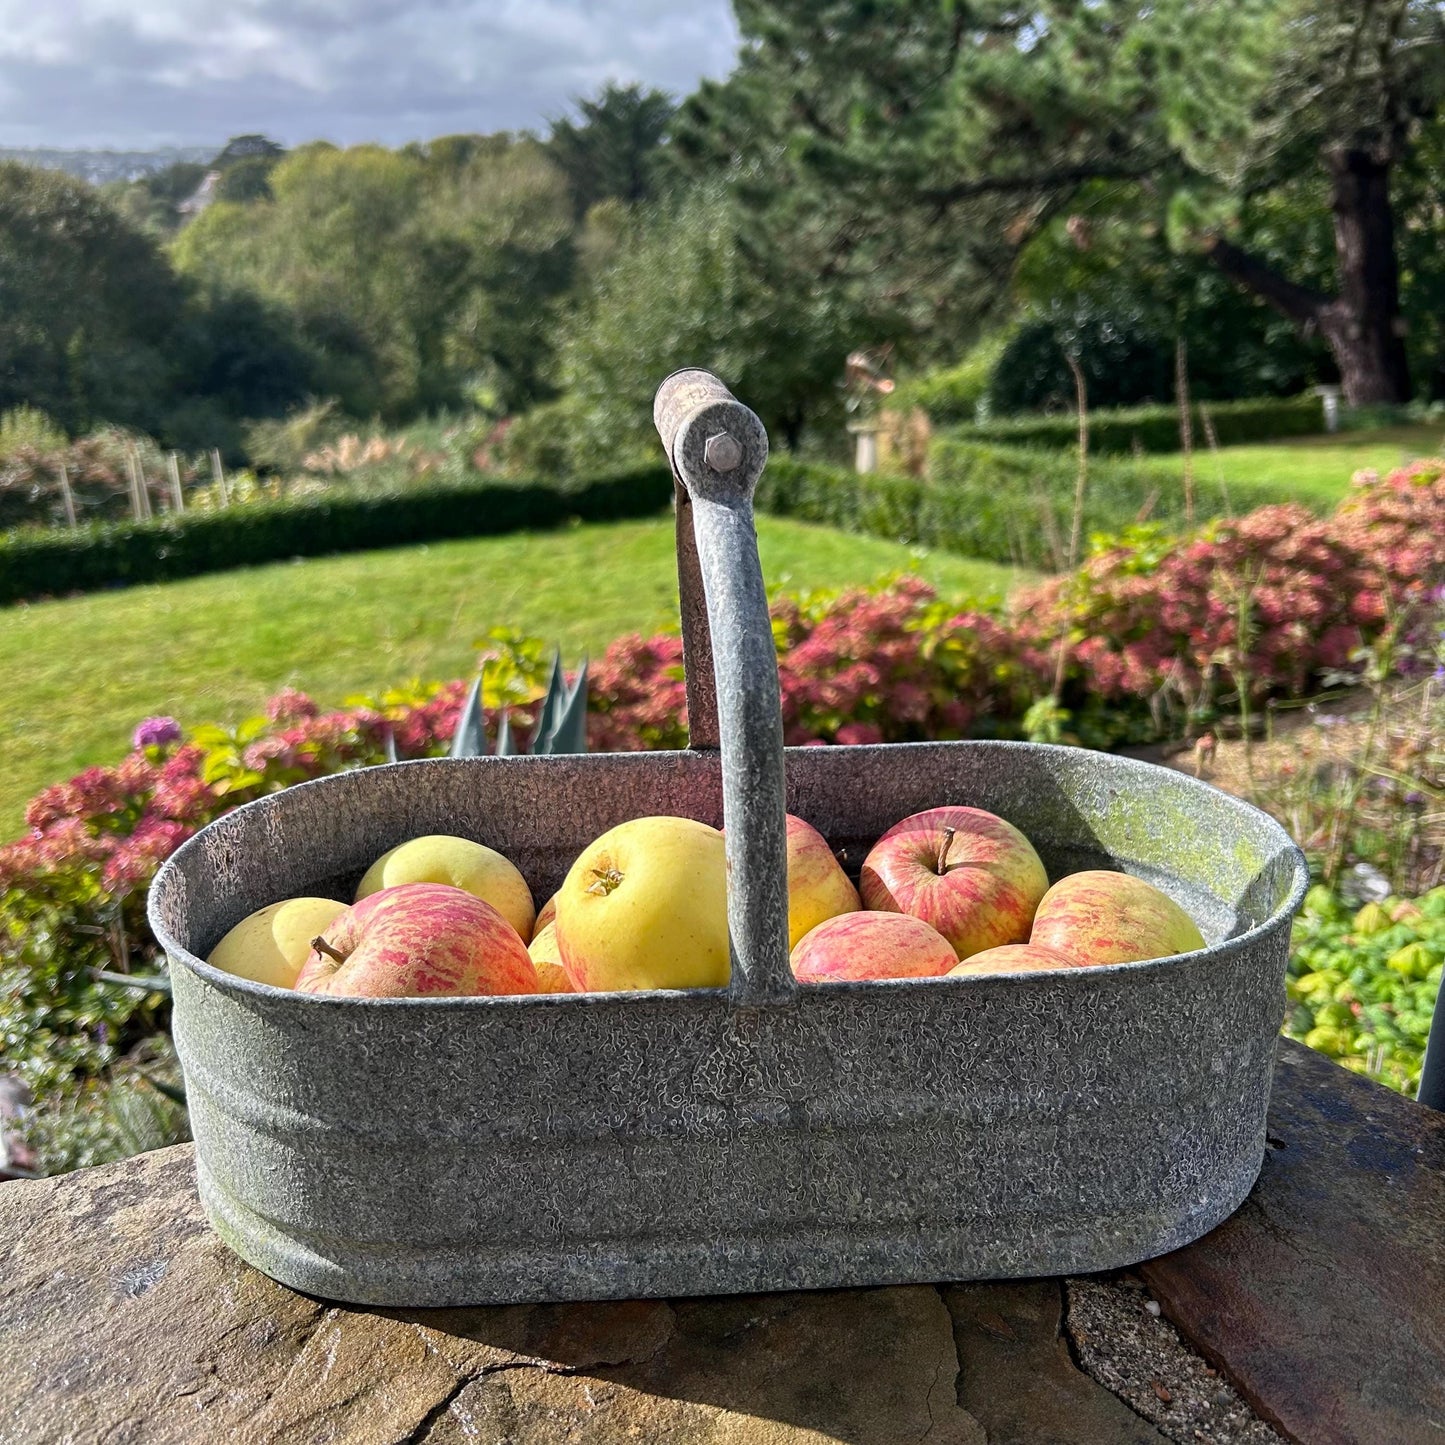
pixel 134 73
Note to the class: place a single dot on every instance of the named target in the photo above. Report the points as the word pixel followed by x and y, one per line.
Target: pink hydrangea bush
pixel 1268 602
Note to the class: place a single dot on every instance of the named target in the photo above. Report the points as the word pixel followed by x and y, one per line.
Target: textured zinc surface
pixel 440 1151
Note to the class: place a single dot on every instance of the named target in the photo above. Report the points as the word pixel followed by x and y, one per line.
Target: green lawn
pixel 84 671
pixel 1317 468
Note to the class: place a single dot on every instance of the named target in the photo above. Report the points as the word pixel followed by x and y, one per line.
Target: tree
pixel 416 282
pixel 612 152
pixel 684 292
pixel 88 306
pixel 939 138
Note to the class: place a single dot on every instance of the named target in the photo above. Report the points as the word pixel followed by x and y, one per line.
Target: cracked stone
pixel 1016 1375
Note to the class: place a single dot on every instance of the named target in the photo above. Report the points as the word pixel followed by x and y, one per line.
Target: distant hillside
pixel 98 167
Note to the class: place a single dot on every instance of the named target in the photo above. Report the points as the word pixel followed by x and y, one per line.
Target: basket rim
pixel 1287 850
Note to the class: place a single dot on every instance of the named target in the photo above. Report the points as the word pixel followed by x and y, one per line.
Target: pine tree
pixel 920 144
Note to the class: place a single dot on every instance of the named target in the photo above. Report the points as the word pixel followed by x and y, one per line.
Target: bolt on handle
pixel 718 448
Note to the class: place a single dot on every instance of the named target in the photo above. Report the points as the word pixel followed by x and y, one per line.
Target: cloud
pixel 137 73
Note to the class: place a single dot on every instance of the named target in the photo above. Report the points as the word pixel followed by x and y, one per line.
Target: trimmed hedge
pixel 53 563
pixel 1155 429
pixel 988 501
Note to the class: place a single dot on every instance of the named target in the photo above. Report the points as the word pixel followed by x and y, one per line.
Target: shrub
pixel 1007 504
pixel 953 394
pixel 895 665
pixel 1363 986
pixel 34 564
pixel 1155 429
pixel 1265 604
pixel 96 465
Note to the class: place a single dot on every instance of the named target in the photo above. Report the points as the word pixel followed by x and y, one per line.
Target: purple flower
pixel 156 732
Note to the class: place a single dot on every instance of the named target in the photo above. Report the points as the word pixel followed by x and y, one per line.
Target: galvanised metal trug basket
pixel 763 1136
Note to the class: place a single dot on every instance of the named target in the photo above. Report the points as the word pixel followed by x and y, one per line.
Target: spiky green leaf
pixel 470 738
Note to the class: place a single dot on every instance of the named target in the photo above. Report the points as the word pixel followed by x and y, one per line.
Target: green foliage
pixel 911 151
pixel 1362 988
pixel 36 564
pixel 1155 429
pixel 612 152
pixel 685 291
pixel 1102 280
pixel 97 1121
pixel 414 283
pixel 249 179
pixel 561 714
pixel 953 394
pixel 1123 363
pixel 283 445
pixel 88 307
pixel 28 427
pixel 58 1021
pixel 1007 504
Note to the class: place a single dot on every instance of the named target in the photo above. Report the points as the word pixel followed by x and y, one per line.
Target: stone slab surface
pixel 124 1320
pixel 1324 1295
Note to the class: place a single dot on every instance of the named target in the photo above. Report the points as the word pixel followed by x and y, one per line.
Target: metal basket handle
pixel 718 448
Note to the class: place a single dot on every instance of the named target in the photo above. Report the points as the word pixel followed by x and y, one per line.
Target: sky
pixel 135 74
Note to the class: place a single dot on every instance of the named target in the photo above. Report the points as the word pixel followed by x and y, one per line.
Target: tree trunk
pixel 1362 325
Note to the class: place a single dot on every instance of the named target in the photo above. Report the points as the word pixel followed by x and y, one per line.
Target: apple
pixel 818 888
pixel 969 873
pixel 871 945
pixel 1102 917
pixel 546 958
pixel 645 906
pixel 547 914
pixel 418 940
pixel 1013 958
pixel 473 867
pixel 273 943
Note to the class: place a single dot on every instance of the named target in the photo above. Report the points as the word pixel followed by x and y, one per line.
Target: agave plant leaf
pixel 470 738
pixel 506 743
pixel 568 730
pixel 146 982
pixel 176 1093
pixel 392 755
pixel 552 702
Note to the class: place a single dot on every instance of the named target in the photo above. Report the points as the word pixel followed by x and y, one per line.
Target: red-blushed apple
pixel 547 914
pixel 1103 917
pixel 968 873
pixel 472 867
pixel 645 906
pixel 418 940
pixel 854 946
pixel 818 888
pixel 1012 958
pixel 546 958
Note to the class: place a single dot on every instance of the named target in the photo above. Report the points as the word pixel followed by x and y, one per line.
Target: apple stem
pixel 607 880
pixel 321 946
pixel 943 851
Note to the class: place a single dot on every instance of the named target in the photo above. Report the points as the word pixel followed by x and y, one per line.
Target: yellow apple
pixel 547 960
pixel 818 888
pixel 472 867
pixel 545 915
pixel 645 906
pixel 274 942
